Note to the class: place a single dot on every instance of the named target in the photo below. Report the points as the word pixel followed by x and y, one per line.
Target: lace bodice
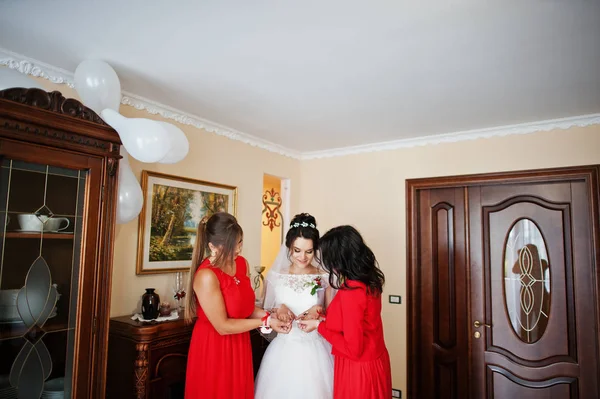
pixel 294 291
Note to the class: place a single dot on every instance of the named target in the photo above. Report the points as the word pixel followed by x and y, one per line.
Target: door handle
pixel 478 324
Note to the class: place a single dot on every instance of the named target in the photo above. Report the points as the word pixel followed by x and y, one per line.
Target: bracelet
pixel 266 321
pixel 265 317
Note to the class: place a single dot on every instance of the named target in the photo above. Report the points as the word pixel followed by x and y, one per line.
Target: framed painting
pixel 173 207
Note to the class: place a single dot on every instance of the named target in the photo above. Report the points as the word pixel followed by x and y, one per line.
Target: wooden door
pixel 503 285
pixel 532 285
pixel 440 322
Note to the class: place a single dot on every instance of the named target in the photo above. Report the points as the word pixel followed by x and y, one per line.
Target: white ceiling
pixel 314 75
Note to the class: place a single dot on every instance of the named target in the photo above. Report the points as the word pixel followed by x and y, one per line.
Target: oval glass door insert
pixel 527 280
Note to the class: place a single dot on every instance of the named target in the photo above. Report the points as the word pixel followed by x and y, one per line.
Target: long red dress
pixel 355 331
pixel 220 366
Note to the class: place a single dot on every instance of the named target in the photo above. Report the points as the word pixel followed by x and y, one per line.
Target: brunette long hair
pixel 346 256
pixel 221 230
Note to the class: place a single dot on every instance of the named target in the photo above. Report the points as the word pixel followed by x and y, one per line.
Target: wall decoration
pixel 271 209
pixel 173 207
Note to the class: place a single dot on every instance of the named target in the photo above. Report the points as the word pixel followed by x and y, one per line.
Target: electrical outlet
pixel 396 299
pixel 396 393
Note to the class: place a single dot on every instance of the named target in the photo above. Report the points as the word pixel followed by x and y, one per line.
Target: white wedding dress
pixel 297 365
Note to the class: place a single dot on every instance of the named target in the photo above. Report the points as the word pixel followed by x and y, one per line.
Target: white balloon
pixel 179 144
pixel 10 78
pixel 98 85
pixel 144 139
pixel 131 198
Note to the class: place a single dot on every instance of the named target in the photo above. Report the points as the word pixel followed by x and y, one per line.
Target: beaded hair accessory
pixel 303 224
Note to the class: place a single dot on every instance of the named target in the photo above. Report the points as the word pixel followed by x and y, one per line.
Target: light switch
pixel 396 393
pixel 395 299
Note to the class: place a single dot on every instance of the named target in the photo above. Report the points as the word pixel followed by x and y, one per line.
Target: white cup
pixel 31 222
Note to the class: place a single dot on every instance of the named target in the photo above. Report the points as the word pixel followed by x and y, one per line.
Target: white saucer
pixel 45 231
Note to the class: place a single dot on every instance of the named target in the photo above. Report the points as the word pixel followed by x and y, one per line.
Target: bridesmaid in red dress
pixel 353 325
pixel 220 356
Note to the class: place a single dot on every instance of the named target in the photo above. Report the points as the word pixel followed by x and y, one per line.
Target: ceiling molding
pixel 155 108
pixel 522 128
pixel 29 66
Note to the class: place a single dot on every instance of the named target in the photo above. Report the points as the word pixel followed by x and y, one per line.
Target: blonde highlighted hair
pixel 223 232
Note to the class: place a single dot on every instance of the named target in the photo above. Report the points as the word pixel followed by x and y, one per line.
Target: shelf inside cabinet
pixel 49 236
pixel 15 330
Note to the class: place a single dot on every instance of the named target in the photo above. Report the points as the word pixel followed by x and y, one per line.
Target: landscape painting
pixel 173 207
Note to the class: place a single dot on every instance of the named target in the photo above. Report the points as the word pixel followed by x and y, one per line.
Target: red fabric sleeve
pixel 350 341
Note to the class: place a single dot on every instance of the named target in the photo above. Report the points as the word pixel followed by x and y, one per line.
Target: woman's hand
pixel 280 326
pixel 308 325
pixel 284 314
pixel 312 314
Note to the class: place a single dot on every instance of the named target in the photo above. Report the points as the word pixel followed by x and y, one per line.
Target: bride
pixel 298 364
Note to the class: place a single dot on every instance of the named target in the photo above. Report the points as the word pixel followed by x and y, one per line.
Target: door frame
pixel 590 174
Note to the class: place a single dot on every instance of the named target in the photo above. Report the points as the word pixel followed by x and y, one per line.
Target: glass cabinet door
pixel 41 215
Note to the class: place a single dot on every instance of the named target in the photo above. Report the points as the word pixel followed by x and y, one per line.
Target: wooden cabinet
pixel 148 360
pixel 58 164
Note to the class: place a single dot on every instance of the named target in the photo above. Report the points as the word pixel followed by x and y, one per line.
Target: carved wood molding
pixel 34 130
pixel 141 370
pixel 112 166
pixel 53 101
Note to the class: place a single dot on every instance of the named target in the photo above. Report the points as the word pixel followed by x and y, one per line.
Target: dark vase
pixel 150 304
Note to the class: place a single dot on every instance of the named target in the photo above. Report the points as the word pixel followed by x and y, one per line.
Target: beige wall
pixel 211 158
pixel 372 197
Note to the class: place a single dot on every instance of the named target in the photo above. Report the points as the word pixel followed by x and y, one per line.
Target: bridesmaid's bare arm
pixel 258 313
pixel 208 292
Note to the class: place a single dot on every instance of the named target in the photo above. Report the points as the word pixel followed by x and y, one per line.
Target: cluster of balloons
pixel 144 139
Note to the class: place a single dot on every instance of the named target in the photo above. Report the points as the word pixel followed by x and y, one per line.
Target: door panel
pixel 507 385
pixel 531 290
pixel 503 285
pixel 443 294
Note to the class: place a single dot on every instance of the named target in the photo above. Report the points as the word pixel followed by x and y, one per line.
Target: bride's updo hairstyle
pixel 303 225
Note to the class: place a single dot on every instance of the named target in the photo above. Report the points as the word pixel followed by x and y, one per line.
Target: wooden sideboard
pixel 148 360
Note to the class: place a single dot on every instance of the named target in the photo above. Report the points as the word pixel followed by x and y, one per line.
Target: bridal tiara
pixel 303 224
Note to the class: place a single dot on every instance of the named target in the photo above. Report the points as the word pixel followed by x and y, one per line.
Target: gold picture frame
pixel 173 206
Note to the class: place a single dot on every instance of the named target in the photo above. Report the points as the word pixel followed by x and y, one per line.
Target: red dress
pixel 355 331
pixel 220 366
